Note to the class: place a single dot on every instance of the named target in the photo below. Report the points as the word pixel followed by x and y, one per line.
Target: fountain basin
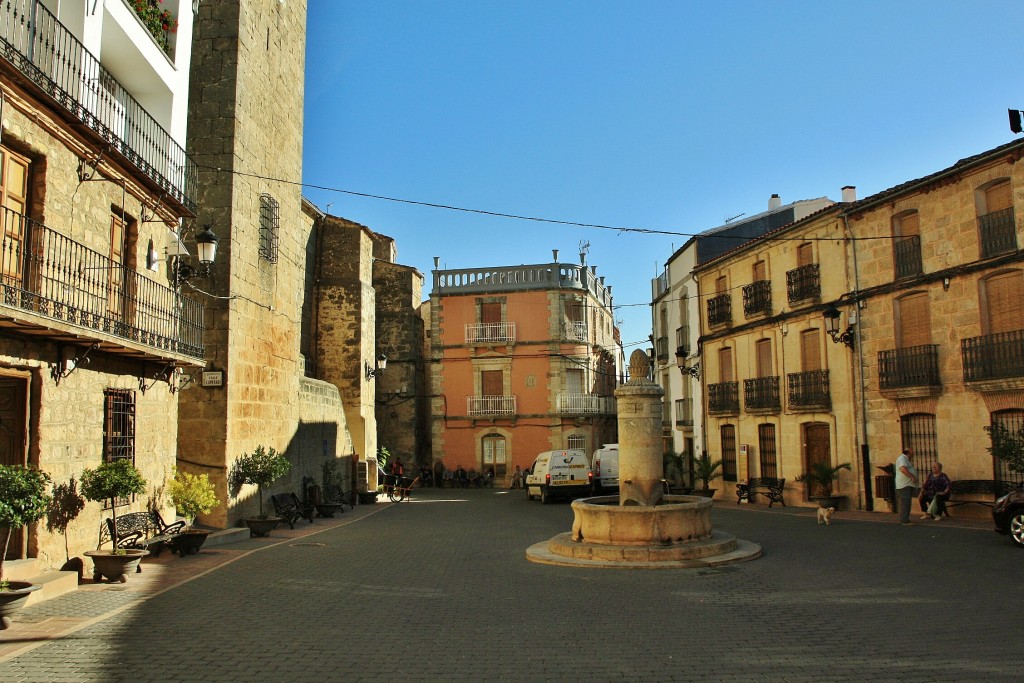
pixel 677 520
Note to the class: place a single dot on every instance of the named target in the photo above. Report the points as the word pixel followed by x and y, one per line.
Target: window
pixel 493 451
pixel 913 327
pixel 728 434
pixel 122 253
pixel 270 222
pixel 810 350
pixel 1013 422
pixel 725 365
pixel 14 176
pixel 760 271
pixel 119 428
pixel 766 447
pixel 918 432
pixel 577 442
pixel 574 381
pixel 1004 311
pixel 804 254
pixel 763 348
pixel 906 244
pixel 996 222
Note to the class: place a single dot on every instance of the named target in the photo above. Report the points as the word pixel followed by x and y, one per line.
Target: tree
pixel 23 500
pixel 1007 445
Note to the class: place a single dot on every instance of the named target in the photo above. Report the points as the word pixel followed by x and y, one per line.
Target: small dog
pixel 825 515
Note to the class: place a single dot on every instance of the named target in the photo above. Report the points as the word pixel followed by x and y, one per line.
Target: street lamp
pixel 206 249
pixel 693 370
pixel 381 363
pixel 832 316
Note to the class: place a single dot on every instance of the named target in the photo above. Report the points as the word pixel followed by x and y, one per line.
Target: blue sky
pixel 663 115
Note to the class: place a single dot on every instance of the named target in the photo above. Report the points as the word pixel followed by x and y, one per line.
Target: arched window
pixel 493 454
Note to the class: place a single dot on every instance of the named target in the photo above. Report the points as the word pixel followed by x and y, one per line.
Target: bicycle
pixel 399 488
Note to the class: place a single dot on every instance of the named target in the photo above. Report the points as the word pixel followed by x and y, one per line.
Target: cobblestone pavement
pixel 438 589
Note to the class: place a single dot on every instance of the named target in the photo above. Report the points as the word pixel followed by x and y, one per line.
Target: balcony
pixel 803 283
pixel 49 56
pixel 724 398
pixel 47 276
pixel 809 390
pixel 719 310
pixel 761 393
pixel 913 366
pixel 661 348
pixel 490 405
pixel 757 298
pixel 684 412
pixel 998 233
pixel 994 356
pixel 585 404
pixel 574 330
pixel 906 254
pixel 683 340
pixel 490 333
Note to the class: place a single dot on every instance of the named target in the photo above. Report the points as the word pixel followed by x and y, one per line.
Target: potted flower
pixel 330 484
pixel 108 482
pixel 261 468
pixel 23 500
pixel 192 495
pixel 819 479
pixel 706 469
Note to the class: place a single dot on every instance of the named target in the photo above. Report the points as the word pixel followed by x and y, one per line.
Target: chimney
pixel 774 202
pixel 850 193
pixel 554 255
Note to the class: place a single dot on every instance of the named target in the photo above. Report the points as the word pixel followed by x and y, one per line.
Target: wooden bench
pixel 288 507
pixel 145 530
pixel 769 486
pixel 978 487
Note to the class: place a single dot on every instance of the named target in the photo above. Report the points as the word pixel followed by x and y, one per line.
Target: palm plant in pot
pixel 107 483
pixel 23 500
pixel 192 495
pixel 819 478
pixel 706 469
pixel 260 468
pixel 331 499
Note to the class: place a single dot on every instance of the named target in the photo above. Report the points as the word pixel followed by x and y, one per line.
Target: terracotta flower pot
pixel 14 599
pixel 115 566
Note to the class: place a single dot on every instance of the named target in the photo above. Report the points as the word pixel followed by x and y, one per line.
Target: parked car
pixel 606 467
pixel 1008 514
pixel 562 474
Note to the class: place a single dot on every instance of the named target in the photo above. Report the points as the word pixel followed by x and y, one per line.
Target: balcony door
pixel 817 448
pixel 14 174
pixel 12 445
pixel 1003 302
pixel 912 320
pixel 490 319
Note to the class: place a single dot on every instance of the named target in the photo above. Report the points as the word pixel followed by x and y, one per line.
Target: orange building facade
pixel 523 359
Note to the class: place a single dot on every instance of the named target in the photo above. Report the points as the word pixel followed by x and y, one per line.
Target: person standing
pixel 517 479
pixel 906 483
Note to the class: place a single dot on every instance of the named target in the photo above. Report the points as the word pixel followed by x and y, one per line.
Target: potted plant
pixel 261 468
pixel 192 495
pixel 331 500
pixel 23 500
pixel 672 467
pixel 706 469
pixel 819 478
pixel 108 482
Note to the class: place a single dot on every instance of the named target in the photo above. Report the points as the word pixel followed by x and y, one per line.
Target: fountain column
pixel 639 404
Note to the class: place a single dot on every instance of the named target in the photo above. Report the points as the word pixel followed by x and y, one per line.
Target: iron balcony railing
pixel 803 283
pixel 491 405
pixel 998 232
pixel 684 412
pixel 724 397
pixel 757 298
pixel 761 393
pixel 49 55
pixel 994 356
pixel 683 340
pixel 809 390
pixel 913 366
pixel 575 330
pixel 719 309
pixel 50 275
pixel 585 404
pixel 661 348
pixel 490 333
pixel 907 256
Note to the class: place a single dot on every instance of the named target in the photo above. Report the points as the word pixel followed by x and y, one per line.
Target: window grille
pixel 728 433
pixel 1013 422
pixel 918 431
pixel 119 430
pixel 766 446
pixel 577 442
pixel 270 222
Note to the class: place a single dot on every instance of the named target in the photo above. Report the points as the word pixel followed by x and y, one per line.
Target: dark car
pixel 1008 514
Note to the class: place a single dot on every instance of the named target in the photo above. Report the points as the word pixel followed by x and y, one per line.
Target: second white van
pixel 606 467
pixel 562 474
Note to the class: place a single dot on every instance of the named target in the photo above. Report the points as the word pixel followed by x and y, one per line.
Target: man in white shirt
pixel 906 483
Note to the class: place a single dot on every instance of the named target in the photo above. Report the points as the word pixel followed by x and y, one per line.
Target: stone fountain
pixel 642 527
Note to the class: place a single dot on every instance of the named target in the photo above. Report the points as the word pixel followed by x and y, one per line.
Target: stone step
pixel 54 584
pixel 21 570
pixel 226 536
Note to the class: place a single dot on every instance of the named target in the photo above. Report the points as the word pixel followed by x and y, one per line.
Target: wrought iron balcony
pixel 49 56
pixel 757 298
pixel 761 393
pixel 490 333
pixel 491 405
pixel 49 275
pixel 661 348
pixel 998 233
pixel 803 283
pixel 906 252
pixel 585 404
pixel 719 310
pixel 994 356
pixel 913 366
pixel 684 412
pixel 683 340
pixel 810 390
pixel 724 397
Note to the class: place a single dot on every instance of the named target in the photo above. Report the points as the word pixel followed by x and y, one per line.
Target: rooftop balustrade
pixel 565 276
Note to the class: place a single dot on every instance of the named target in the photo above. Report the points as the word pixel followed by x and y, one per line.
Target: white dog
pixel 825 515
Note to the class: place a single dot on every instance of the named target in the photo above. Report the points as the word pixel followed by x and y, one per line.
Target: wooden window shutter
pixel 574 381
pixel 760 271
pixel 725 365
pixel 764 357
pixel 805 254
pixel 14 198
pixel 1003 303
pixel 909 224
pixel 810 350
pixel 721 285
pixel 492 383
pixel 490 313
pixel 913 320
pixel 998 197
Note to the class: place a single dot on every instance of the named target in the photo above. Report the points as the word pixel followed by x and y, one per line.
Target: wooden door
pixel 817 448
pixel 764 357
pixel 725 365
pixel 810 350
pixel 12 446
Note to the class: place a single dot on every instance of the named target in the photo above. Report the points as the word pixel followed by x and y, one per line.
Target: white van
pixel 560 474
pixel 606 467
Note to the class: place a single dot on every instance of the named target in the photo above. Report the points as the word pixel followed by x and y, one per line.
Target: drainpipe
pixel 865 451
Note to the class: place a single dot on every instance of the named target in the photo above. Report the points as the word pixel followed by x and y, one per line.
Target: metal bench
pixel 145 530
pixel 288 507
pixel 978 487
pixel 768 486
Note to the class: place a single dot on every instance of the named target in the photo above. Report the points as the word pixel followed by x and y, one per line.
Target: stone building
pixel 523 359
pixel 95 337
